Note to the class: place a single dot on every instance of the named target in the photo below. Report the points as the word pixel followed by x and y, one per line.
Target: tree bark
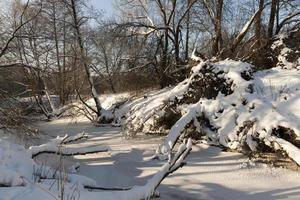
pixel 56 42
pixel 83 57
pixel 272 18
pixel 187 38
pixel 243 32
pixel 258 23
pixel 217 44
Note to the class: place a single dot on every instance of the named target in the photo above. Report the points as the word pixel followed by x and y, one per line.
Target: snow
pixel 34 188
pixel 273 102
pixel 53 147
pixel 10 178
pixel 14 160
pixel 142 111
pixel 109 100
pixel 109 104
pixel 251 113
pixel 194 57
pixel 58 145
pixel 279 42
pixel 209 174
pixel 177 128
pixel 284 52
pixel 292 151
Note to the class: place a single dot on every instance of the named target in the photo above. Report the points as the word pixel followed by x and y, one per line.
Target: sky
pixel 105 5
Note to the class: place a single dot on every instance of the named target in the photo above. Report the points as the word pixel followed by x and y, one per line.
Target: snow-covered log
pixel 19 169
pixel 136 192
pixel 244 31
pixel 47 173
pixel 66 151
pixel 146 191
pixel 79 136
pixel 58 146
pixel 290 149
pixel 177 130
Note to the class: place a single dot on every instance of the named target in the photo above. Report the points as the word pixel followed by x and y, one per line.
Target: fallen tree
pixel 59 146
pixel 227 104
pixel 19 169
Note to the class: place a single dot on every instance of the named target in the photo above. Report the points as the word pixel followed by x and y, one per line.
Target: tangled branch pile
pixel 229 104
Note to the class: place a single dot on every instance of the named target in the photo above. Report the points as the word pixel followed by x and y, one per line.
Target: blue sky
pixel 105 5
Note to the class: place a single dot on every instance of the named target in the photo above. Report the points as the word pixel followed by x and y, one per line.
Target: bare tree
pixel 109 53
pixel 74 6
pixel 167 26
pixel 216 18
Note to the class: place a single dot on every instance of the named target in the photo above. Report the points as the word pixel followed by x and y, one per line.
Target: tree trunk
pixel 243 32
pixel 164 61
pixel 165 50
pixel 258 23
pixel 187 38
pixel 217 44
pixel 110 80
pixel 176 48
pixel 51 104
pixel 84 59
pixel 65 85
pixel 277 15
pixel 272 18
pixel 60 81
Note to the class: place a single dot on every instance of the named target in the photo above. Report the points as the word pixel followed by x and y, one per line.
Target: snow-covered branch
pixel 148 190
pixel 12 174
pixel 286 20
pixel 58 146
pixel 177 130
pixel 244 31
pixel 289 148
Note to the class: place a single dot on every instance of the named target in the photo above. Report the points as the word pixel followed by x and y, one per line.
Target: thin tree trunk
pixel 218 28
pixel 60 82
pixel 165 50
pixel 272 18
pixel 66 95
pixel 52 106
pixel 83 58
pixel 258 23
pixel 110 81
pixel 176 48
pixel 187 38
pixel 277 15
pixel 243 32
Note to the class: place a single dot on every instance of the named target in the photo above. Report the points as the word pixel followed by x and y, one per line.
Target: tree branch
pixel 57 146
pixel 285 21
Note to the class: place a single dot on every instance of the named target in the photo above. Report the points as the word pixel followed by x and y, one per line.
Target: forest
pixel 152 99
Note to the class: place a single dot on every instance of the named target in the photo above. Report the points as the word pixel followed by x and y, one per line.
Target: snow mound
pixel 109 101
pixel 226 103
pixel 15 164
pixel 110 112
pixel 282 51
pixel 286 46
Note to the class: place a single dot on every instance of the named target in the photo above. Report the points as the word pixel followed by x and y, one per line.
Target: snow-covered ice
pixel 209 174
